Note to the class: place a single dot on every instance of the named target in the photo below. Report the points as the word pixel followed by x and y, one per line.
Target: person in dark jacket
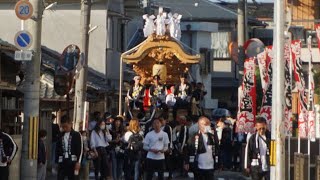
pixel 157 94
pixel 42 155
pixel 202 150
pixel 55 136
pixel 257 156
pixel 136 95
pixel 197 102
pixel 8 150
pixel 69 151
pixel 117 152
pixel 183 92
pixel 180 138
pixel 226 146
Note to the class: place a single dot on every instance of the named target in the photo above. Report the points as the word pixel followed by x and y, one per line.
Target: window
pixel 220 42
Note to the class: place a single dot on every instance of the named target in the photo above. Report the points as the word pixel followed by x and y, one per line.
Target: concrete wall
pixel 203 40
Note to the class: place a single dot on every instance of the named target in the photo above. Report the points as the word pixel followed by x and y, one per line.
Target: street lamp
pixel 92 28
pixel 50 6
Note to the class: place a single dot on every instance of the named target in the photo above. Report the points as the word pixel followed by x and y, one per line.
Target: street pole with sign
pixel 24 10
pixel 81 81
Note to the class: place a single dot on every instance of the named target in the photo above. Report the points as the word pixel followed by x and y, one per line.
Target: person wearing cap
pixel 157 93
pixel 136 94
pixel 108 119
pixel 183 92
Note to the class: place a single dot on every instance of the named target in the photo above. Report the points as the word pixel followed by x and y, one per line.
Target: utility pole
pixel 278 102
pixel 81 82
pixel 241 37
pixel 0 88
pixel 31 97
pixel 108 51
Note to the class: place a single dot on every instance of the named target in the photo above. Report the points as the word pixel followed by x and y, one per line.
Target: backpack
pixel 135 142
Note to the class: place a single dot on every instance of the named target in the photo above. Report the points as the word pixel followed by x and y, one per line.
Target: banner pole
pixel 309 102
pixel 290 114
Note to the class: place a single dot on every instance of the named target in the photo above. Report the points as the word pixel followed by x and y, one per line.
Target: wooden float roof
pixel 160 48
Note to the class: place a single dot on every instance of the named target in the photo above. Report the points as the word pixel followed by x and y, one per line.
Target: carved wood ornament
pixel 163 51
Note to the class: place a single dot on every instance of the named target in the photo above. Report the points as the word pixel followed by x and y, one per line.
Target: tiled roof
pixel 95 79
pixel 8 75
pixel 50 59
pixel 258 11
pixel 204 10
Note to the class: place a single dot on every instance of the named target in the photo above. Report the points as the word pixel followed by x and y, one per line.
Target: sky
pixel 249 1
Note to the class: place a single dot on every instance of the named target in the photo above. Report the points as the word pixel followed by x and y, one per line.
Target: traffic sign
pixel 23 9
pixel 23 55
pixel 23 40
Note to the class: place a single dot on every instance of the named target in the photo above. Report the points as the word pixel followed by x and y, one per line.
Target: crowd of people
pixel 124 149
pixel 120 149
pixel 131 148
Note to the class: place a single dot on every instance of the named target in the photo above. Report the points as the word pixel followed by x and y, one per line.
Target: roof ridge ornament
pixel 163 24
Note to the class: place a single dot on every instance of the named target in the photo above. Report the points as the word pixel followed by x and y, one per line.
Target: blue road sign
pixel 23 40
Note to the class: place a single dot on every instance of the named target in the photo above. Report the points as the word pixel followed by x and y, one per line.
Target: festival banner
pixel 300 83
pixel 266 78
pixel 312 125
pixel 247 104
pixel 288 90
pixel 311 113
pixel 317 110
pixel 317 27
pixel 262 62
pixel 303 117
